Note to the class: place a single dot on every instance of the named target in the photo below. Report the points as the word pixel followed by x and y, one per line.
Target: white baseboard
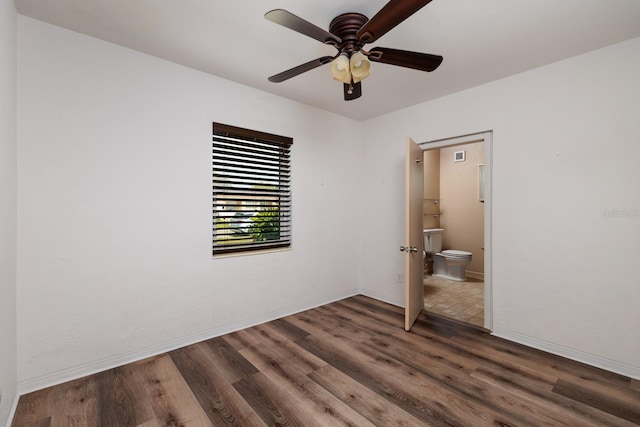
pixel 12 411
pixel 79 371
pixel 474 275
pixel 570 353
pixel 383 299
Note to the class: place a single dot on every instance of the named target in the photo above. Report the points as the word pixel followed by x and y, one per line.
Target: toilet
pixel 450 264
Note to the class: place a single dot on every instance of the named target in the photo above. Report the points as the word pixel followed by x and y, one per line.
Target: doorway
pixel 466 221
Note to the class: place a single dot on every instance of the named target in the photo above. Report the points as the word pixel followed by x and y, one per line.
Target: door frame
pixel 487 138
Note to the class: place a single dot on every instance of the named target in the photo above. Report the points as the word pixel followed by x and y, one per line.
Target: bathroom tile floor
pixel 463 301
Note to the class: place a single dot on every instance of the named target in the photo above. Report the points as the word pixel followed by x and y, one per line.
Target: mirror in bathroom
pixel 481 182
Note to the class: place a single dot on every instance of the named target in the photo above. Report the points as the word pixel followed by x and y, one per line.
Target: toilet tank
pixel 432 240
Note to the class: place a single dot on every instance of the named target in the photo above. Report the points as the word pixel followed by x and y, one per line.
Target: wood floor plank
pixel 289 331
pixel 269 402
pixel 34 408
pixel 393 310
pixel 320 407
pixel 232 365
pixel 273 335
pixel 155 422
pixel 347 363
pixel 75 403
pixel 217 397
pixel 621 408
pixel 241 339
pixel 363 400
pixel 384 315
pixel 319 322
pixel 116 401
pixel 168 394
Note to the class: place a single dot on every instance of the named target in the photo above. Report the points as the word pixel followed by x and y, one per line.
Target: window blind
pixel 251 190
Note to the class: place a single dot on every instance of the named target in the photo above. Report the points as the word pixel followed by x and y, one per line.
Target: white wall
pixel 8 203
pixel 115 207
pixel 565 156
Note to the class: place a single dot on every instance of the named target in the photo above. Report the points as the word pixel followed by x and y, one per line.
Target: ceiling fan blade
pixel 352 91
pixel 392 14
pixel 405 58
pixel 307 66
pixel 295 23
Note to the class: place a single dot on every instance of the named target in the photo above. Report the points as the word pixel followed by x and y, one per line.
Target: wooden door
pixel 414 243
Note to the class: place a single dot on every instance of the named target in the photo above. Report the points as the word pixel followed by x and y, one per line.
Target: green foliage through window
pixel 266 225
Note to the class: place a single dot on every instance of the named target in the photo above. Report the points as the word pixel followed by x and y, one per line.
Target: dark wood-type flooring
pixel 347 363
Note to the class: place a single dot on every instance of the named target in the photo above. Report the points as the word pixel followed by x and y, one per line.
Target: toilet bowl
pixel 450 264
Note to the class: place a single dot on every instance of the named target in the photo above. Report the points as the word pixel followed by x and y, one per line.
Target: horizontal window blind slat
pixel 223 186
pixel 241 240
pixel 280 166
pixel 283 219
pixel 232 208
pixel 249 203
pixel 248 158
pixel 233 151
pixel 262 169
pixel 240 236
pixel 222 166
pixel 239 147
pixel 257 181
pixel 231 214
pixel 248 207
pixel 254 192
pixel 248 185
pixel 226 241
pixel 236 249
pixel 244 178
pixel 241 223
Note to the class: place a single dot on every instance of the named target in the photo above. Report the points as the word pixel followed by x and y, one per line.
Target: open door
pixel 414 193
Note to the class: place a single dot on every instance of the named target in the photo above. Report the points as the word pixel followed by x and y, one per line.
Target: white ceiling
pixel 481 41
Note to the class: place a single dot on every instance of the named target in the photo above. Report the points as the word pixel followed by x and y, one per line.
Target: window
pixel 251 190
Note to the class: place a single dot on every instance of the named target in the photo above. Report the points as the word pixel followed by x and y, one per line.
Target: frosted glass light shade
pixel 340 69
pixel 360 66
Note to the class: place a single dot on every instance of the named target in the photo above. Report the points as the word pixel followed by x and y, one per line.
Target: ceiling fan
pixel 349 33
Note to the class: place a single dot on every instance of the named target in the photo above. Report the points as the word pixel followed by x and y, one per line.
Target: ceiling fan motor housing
pixel 346 27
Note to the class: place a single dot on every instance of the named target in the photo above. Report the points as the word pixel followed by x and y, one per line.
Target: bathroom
pixel 453 211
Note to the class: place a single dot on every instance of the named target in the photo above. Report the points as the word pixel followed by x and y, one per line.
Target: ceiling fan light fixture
pixel 340 69
pixel 360 66
pixel 348 33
